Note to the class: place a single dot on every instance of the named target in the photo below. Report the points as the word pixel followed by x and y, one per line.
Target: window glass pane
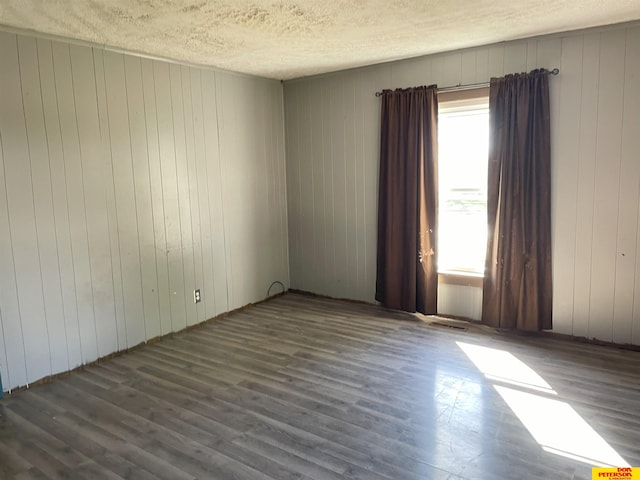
pixel 463 145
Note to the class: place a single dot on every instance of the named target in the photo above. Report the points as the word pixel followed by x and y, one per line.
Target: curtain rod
pixel 467 86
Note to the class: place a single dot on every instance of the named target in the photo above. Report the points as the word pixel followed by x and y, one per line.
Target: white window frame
pixel 460 101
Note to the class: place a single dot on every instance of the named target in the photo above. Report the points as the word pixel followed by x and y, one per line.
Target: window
pixel 463 145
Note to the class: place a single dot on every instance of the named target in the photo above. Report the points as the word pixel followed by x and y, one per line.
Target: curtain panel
pixel 517 289
pixel 407 277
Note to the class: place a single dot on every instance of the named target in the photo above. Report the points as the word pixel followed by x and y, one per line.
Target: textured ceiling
pixel 292 38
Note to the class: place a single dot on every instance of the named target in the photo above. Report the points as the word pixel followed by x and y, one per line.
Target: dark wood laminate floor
pixel 308 388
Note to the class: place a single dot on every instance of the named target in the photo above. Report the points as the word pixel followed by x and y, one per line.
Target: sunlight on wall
pixel 554 424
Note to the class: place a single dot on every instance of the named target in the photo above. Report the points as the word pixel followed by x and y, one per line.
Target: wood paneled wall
pixel 332 130
pixel 125 184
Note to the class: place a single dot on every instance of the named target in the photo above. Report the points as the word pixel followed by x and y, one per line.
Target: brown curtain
pixel 407 278
pixel 517 281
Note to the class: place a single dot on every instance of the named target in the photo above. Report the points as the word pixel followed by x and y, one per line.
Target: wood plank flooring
pixel 308 388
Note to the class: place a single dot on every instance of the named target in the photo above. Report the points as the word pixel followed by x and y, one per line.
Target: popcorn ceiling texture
pixel 287 38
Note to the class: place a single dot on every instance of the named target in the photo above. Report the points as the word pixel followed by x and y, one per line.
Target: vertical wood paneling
pixel 94 173
pixel 112 198
pixel 565 175
pixel 607 173
pixel 307 192
pixel 630 148
pixel 182 138
pixel 532 54
pixel 198 273
pixel 14 358
pixel 322 198
pixel 264 197
pixel 351 174
pixel 184 244
pixel 515 57
pixel 41 180
pixel 249 259
pixel 55 148
pixel 226 126
pixel 276 189
pixel 339 167
pixel 281 185
pixel 452 69
pixel 252 263
pixel 160 324
pixel 237 197
pixel 201 174
pixel 293 183
pixel 327 185
pixel 417 68
pixel 595 178
pixel 255 266
pixel 142 194
pixel 21 211
pixel 4 358
pixel 215 195
pixel 401 75
pixel 625 324
pixel 586 183
pixel 112 214
pixel 173 250
pixel 482 65
pixel 495 65
pixel 437 70
pixel 360 100
pixel 242 195
pixel 423 72
pixel 75 202
pixel 468 67
pixel 126 208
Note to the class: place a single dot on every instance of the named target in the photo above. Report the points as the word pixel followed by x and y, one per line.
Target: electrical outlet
pixel 196 296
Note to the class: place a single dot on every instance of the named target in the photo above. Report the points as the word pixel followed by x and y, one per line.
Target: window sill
pixel 465 279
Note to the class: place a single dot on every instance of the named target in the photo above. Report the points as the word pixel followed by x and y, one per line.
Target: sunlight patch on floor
pixel 554 424
pixel 559 429
pixel 504 367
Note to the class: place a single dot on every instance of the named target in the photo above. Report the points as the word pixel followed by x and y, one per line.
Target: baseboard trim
pixel 554 335
pixel 140 345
